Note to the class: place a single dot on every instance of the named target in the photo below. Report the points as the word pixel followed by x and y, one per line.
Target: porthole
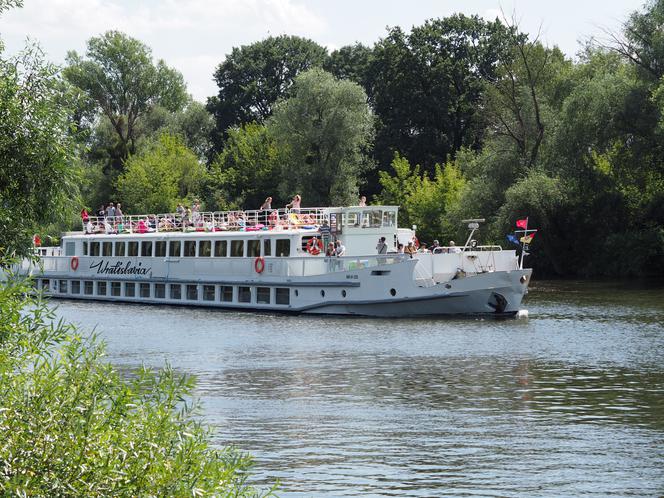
pixel 393 292
pixel 448 286
pixel 322 293
pixel 343 293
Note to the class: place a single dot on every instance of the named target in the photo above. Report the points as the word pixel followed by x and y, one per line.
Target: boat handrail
pixel 209 221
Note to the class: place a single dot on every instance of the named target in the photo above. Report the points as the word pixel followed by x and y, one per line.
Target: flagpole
pixel 523 245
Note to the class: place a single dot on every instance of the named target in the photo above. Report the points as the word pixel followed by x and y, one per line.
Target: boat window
pixel 88 287
pixel 389 218
pixel 263 295
pixel 208 293
pixel 189 249
pixel 226 294
pixel 146 248
pixel 373 218
pixel 46 285
pixel 130 289
pixel 174 249
pixel 107 249
pixel 220 248
pixel 119 248
pixel 176 291
pixel 237 248
pixel 132 248
pixel 351 219
pixel 160 249
pixel 283 248
pixel 63 287
pixel 70 248
pixel 94 248
pixel 253 248
pixel 75 287
pixel 192 292
pixel 244 294
pixel 144 290
pixel 115 288
pixel 267 247
pixel 204 248
pixel 85 248
pixel 101 288
pixel 160 291
pixel 282 295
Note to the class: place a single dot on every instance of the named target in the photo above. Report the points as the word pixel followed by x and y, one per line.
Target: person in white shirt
pixel 340 248
pixel 453 248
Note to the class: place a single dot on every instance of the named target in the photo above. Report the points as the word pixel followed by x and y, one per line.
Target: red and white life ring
pixel 74 263
pixel 259 264
pixel 314 249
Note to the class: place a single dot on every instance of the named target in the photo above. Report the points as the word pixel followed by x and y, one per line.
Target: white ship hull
pixel 381 290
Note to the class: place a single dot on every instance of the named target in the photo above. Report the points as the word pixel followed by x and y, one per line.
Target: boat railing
pixel 239 220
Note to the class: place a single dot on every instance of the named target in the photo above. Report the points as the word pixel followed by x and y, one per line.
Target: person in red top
pixel 84 215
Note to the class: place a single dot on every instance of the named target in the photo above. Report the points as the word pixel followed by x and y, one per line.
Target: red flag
pixel 522 223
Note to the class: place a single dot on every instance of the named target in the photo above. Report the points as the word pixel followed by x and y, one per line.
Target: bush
pixel 71 425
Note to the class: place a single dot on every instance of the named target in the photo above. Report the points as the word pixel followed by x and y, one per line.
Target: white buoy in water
pixel 522 314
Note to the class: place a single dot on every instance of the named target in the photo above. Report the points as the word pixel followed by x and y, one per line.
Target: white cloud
pixel 192 36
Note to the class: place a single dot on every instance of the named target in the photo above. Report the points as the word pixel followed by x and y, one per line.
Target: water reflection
pixel 567 403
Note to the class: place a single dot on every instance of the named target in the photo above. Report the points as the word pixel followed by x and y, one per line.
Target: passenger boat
pixel 275 261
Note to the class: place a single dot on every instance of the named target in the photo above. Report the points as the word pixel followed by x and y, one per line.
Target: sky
pixel 194 36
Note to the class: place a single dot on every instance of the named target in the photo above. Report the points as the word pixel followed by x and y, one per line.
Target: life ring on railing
pixel 74 263
pixel 259 264
pixel 314 249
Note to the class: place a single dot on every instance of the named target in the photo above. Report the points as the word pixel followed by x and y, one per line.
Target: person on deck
pixel 453 248
pixel 295 203
pixel 363 201
pixel 340 249
pixel 410 249
pixel 381 247
pixel 267 204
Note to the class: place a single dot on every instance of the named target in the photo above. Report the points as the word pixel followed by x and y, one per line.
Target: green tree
pixel 244 173
pixel 350 63
pixel 157 179
pixel 120 78
pixel 642 40
pixel 425 201
pixel 253 77
pixel 37 182
pixel 323 131
pixel 426 87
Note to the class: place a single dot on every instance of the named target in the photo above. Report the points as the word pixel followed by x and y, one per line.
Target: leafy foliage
pixel 324 131
pixel 253 77
pixel 160 177
pixel 72 425
pixel 120 79
pixel 426 201
pixel 36 180
pixel 243 175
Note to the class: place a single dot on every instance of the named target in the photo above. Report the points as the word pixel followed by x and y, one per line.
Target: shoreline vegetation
pixel 72 425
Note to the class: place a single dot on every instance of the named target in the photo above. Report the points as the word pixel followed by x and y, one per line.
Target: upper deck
pixel 337 219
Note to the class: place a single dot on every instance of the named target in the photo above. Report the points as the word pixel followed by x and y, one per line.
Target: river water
pixel 568 402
